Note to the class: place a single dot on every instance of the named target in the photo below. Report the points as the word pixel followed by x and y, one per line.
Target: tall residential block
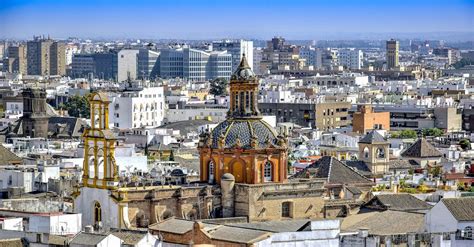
pixel 350 58
pixel 46 57
pixel 392 54
pixel 16 62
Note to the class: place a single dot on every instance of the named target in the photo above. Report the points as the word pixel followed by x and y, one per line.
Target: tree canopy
pixel 463 62
pixel 465 144
pixel 77 106
pixel 218 87
pixel 433 132
pixel 404 134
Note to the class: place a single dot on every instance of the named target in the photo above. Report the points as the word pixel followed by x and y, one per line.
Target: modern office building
pixel 350 58
pixel 97 65
pixel 236 48
pixel 171 63
pixel 82 66
pixel 148 68
pixel 392 54
pixel 195 65
pixel 46 57
pixel 106 65
pixel 16 60
pixel 127 65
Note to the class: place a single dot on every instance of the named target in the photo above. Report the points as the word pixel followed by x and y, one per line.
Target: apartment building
pixel 46 57
pixel 137 107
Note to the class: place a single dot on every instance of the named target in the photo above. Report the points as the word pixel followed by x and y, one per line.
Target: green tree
pixel 171 158
pixel 463 62
pixel 433 132
pixel 218 87
pixel 408 134
pixel 77 106
pixel 395 134
pixel 436 171
pixel 465 144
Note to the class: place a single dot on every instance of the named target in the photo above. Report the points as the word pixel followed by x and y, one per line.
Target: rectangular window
pixel 286 209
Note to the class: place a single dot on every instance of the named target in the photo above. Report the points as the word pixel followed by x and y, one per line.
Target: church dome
pixel 243 133
pixel 243 145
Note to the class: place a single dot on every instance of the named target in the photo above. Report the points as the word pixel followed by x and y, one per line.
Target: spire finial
pixel 243 62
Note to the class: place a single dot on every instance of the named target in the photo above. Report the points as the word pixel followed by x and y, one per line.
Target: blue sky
pixel 187 19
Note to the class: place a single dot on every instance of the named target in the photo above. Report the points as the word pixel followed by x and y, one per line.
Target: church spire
pixel 244 92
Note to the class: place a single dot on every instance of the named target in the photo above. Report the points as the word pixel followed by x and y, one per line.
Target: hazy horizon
pixel 187 19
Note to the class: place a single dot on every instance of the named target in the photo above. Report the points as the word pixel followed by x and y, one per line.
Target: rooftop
pixel 421 149
pixel 373 137
pixel 334 171
pixel 385 223
pixel 399 202
pixel 461 208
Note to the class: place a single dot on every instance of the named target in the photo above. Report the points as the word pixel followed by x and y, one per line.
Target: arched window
pixel 211 171
pixel 100 164
pixel 100 168
pixel 97 212
pixel 91 165
pixel 380 153
pixel 468 232
pixel 366 152
pixel 267 172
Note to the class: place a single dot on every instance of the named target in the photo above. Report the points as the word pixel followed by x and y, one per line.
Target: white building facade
pixel 59 224
pixel 195 65
pixel 140 108
pixel 127 64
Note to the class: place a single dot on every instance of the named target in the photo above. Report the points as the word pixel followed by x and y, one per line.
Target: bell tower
pixel 244 92
pixel 100 168
pixel 35 119
pixel 374 151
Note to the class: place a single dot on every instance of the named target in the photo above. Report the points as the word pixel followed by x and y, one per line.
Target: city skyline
pixel 248 19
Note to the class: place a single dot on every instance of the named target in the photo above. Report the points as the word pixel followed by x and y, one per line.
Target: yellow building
pixel 200 94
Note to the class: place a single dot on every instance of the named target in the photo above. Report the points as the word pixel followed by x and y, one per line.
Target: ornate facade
pixel 100 169
pixel 249 149
pixel 243 145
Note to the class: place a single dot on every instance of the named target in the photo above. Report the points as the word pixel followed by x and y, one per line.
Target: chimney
pixel 89 229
